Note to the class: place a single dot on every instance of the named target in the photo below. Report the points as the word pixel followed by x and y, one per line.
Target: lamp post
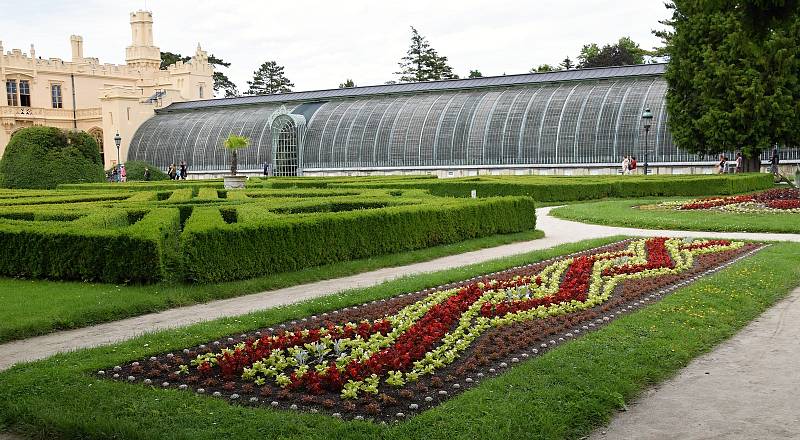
pixel 647 118
pixel 118 141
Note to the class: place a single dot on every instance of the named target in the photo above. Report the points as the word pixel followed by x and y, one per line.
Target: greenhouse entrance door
pixel 286 150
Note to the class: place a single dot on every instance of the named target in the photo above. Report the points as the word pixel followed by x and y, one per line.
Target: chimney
pixel 77 47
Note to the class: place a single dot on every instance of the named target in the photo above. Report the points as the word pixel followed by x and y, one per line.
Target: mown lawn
pixel 34 307
pixel 627 213
pixel 563 394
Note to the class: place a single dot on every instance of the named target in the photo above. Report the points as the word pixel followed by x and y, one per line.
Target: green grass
pixel 34 307
pixel 625 213
pixel 562 394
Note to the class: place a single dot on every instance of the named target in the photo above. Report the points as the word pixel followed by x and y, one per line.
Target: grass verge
pixel 625 213
pixel 34 307
pixel 562 394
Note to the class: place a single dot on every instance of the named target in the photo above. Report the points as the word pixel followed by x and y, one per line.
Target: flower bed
pixel 393 358
pixel 773 200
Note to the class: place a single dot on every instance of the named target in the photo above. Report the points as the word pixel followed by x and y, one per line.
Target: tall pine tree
pixel 268 80
pixel 733 77
pixel 423 63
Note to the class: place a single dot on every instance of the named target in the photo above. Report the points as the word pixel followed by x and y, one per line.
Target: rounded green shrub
pixel 134 170
pixel 43 157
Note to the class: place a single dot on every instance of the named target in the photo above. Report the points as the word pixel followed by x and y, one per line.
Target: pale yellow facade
pixel 102 99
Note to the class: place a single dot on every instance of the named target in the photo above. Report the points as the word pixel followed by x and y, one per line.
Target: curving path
pixel 724 394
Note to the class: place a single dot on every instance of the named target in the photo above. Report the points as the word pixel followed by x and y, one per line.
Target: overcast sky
pixel 322 43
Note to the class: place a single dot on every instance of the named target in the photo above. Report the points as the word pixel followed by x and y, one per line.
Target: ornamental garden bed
pixel 394 358
pixel 784 200
pixel 664 214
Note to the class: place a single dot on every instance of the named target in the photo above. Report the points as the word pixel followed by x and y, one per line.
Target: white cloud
pixel 321 43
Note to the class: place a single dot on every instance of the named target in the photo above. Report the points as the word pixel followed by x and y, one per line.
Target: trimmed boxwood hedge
pixel 98 246
pixel 564 189
pixel 214 250
pixel 198 231
pixel 135 236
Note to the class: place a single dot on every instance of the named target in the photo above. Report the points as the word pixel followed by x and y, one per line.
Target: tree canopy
pixel 475 73
pixel 269 79
pixel 544 68
pixel 622 53
pixel 347 84
pixel 423 63
pixel 733 76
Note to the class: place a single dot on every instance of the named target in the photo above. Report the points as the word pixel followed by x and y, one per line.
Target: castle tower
pixel 142 53
pixel 76 41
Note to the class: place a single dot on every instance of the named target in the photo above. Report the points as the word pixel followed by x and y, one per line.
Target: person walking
pixel 184 169
pixel 123 175
pixel 172 172
pixel 739 160
pixel 146 174
pixel 625 165
pixel 721 164
pixel 775 161
pixel 633 165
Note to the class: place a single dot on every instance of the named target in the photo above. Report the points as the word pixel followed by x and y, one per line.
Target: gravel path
pixel 746 388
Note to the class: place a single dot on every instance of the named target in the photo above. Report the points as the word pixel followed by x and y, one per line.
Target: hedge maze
pixel 202 233
pixel 196 231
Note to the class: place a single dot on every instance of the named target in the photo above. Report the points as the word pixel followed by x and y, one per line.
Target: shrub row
pixel 214 250
pixel 99 246
pixel 563 189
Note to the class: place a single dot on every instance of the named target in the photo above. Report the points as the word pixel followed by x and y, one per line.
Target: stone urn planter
pixel 234 182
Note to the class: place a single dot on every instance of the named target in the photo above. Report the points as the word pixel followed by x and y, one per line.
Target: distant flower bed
pixel 773 200
pixel 392 358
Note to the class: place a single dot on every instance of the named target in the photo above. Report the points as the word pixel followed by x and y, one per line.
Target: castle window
pixel 24 93
pixel 55 93
pixel 11 92
pixel 201 92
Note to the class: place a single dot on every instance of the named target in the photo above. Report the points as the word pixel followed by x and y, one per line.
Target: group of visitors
pixel 723 166
pixel 117 174
pixel 629 165
pixel 176 173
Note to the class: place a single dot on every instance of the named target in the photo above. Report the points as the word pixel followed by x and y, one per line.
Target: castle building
pixel 101 99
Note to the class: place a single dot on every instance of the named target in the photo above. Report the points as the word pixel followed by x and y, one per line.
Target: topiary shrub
pixel 134 170
pixel 43 157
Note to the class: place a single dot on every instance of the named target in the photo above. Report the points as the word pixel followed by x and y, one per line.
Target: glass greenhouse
pixel 575 117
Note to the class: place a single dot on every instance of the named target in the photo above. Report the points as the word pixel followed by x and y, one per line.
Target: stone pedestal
pixel 234 182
